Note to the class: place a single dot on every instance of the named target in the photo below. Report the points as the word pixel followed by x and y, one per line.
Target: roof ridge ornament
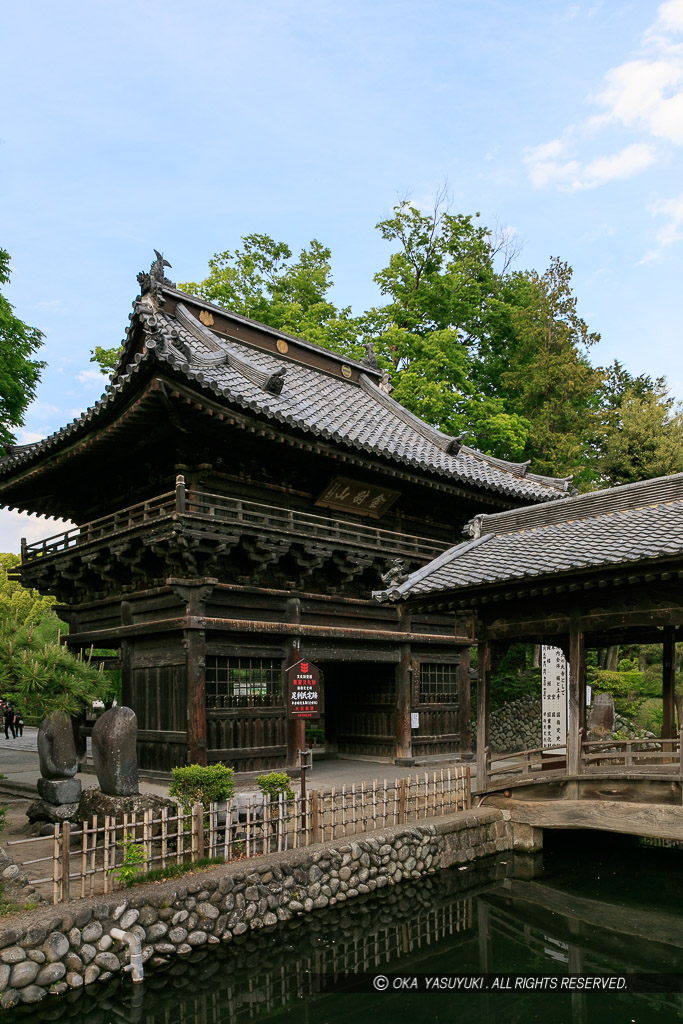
pixel 151 283
pixel 370 359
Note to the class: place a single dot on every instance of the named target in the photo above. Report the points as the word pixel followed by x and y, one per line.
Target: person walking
pixel 18 724
pixel 9 722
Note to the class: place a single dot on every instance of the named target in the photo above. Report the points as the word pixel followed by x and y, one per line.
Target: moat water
pixel 591 906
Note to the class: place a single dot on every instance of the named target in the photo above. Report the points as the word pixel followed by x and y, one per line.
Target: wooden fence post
pixel 66 857
pixel 315 830
pixel 199 814
pixel 55 866
pixel 402 803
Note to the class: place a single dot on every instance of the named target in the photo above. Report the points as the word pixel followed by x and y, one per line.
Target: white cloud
pixel 625 164
pixel 643 95
pixel 15 525
pixel 671 231
pixel 570 175
pixel 603 230
pixel 646 95
pixel 670 16
pixel 89 376
pixel 30 436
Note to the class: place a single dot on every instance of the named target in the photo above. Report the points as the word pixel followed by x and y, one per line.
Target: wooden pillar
pixel 404 679
pixel 464 705
pixel 577 696
pixel 195 645
pixel 296 727
pixel 195 593
pixel 128 698
pixel 668 682
pixel 483 712
pixel 404 742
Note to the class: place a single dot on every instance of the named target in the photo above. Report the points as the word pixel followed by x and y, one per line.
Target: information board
pixel 554 698
pixel 303 686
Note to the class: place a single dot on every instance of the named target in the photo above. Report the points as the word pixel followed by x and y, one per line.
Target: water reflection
pixel 508 914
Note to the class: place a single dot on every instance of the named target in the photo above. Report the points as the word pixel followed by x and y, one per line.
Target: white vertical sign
pixel 554 697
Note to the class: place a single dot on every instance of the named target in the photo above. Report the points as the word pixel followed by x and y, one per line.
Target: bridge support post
pixel 577 696
pixel 464 704
pixel 483 713
pixel 668 682
pixel 526 838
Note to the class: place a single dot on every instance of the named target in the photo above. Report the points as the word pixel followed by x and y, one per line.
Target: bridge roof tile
pixel 628 526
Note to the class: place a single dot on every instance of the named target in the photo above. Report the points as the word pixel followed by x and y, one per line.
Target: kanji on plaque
pixel 303 685
pixel 554 697
pixel 353 496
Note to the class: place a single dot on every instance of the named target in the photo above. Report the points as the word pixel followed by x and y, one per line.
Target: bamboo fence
pixel 103 854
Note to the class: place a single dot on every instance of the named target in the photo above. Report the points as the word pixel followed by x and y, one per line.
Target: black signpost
pixel 303 680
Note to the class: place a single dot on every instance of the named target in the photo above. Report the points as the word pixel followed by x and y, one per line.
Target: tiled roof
pixel 356 413
pixel 635 524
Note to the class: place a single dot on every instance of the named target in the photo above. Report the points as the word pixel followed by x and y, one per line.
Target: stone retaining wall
pixel 52 950
pixel 15 886
pixel 516 726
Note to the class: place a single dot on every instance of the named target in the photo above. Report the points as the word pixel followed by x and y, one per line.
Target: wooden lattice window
pixel 243 682
pixel 438 683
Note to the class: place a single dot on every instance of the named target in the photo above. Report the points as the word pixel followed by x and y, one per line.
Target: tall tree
pixel 19 372
pixel 442 292
pixel 642 438
pixel 536 361
pixel 262 281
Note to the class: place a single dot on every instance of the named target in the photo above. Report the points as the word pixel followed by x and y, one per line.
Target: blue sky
pixel 130 126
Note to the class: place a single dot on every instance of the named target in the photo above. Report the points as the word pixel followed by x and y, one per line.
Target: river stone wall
pixel 55 949
pixel 516 726
pixel 14 885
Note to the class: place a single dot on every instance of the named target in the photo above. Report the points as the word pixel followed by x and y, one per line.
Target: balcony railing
pixel 250 516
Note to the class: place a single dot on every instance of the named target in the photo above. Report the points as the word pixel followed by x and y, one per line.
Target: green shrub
pixel 134 860
pixel 275 783
pixel 195 784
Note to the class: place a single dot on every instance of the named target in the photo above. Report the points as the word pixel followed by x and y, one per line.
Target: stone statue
pixel 114 754
pixel 56 748
pixel 59 791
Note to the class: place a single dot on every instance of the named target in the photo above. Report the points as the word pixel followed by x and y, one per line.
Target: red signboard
pixel 303 680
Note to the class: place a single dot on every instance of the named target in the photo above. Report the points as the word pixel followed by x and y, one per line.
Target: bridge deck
pixel 655 820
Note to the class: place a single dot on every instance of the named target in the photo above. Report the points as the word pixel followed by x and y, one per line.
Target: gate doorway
pixel 360 707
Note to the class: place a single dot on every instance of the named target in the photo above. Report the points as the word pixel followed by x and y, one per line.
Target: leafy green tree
pixel 535 360
pixel 37 671
pixel 444 302
pixel 262 281
pixel 19 372
pixel 643 438
pixel 18 602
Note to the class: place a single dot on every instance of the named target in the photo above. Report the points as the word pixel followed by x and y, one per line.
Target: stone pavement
pixel 19 763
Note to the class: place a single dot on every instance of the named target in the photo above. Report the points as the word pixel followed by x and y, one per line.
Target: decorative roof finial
pixel 396 574
pixel 370 359
pixel 151 283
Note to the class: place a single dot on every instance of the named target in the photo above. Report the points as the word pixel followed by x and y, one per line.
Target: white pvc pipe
pixel 135 967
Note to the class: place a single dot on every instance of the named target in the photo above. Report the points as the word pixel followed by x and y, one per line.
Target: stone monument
pixel 58 790
pixel 601 717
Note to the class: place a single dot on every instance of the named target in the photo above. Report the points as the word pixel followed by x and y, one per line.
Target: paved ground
pixel 19 762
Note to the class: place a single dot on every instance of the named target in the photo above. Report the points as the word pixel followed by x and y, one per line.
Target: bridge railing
pixel 629 752
pixel 522 763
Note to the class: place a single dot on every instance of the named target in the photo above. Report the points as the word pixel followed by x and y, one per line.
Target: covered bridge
pixel 595 570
